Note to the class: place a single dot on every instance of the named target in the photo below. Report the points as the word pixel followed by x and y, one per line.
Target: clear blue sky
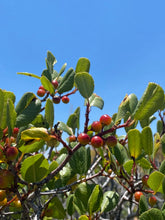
pixel 124 40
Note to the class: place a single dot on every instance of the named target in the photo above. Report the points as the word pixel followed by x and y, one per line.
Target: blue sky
pixel 123 39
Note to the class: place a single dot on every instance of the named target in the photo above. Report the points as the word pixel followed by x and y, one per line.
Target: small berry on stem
pixel 105 120
pixel 41 92
pixel 96 126
pixel 65 99
pixel 137 196
pixel 97 141
pixel 83 138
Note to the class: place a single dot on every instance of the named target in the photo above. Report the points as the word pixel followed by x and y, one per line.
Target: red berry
pixel 41 92
pixel 111 141
pixel 152 200
pixel 96 126
pixel 65 99
pixel 55 83
pixel 83 138
pixel 145 179
pixel 15 132
pixel 137 196
pixel 56 99
pixel 10 140
pixel 72 138
pixel 41 87
pixel 11 153
pixel 97 141
pixel 5 131
pixel 105 119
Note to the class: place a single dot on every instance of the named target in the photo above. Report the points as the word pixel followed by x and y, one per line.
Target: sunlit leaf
pixel 134 143
pixel 29 74
pixel 83 65
pixel 47 84
pixel 11 116
pixel 49 112
pixel 147 140
pixel 155 181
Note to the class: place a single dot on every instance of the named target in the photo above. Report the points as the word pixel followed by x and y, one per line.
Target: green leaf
pixel 95 199
pixel 128 166
pixel 95 100
pixel 83 65
pixel 110 201
pixel 11 116
pixel 147 140
pixel 81 160
pixel 83 217
pixel 144 163
pixel 155 181
pixel 53 166
pixel 47 85
pixel 151 214
pixel 51 58
pixel 157 143
pixel 162 167
pixel 73 120
pixel 66 174
pixel 159 126
pixel 49 112
pixel 62 69
pixel 31 147
pixel 163 143
pixel 69 205
pixel 143 205
pixel 163 189
pixel 29 74
pixel 150 102
pixel 67 82
pixel 55 209
pixel 127 105
pixel 85 84
pixel 4 99
pixel 34 168
pixel 134 143
pixel 29 113
pixel 81 197
pixel 120 153
pixel 24 102
pixel 62 126
pixel 35 133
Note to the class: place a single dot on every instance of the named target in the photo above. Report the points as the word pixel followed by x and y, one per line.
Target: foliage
pixel 45 176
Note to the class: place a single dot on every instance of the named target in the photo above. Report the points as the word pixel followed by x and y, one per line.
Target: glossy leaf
pixel 62 69
pixel 143 205
pixel 83 65
pixel 159 126
pixel 134 143
pixel 127 105
pixel 31 147
pixel 81 197
pixel 151 214
pixel 5 97
pixel 66 174
pixel 162 167
pixel 81 161
pixel 35 133
pixel 85 84
pixel 109 202
pixel 163 143
pixel 150 102
pixel 157 143
pixel 95 100
pixel 128 166
pixel 95 199
pixel 144 163
pixel 120 153
pixel 62 126
pixel 24 102
pixel 56 208
pixel 155 181
pixel 34 168
pixel 29 113
pixel 47 85
pixel 70 205
pixel 73 120
pixel 67 82
pixel 28 74
pixel 49 112
pixel 147 140
pixel 11 116
pixel 83 217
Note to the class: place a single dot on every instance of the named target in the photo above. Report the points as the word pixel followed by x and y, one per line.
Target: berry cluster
pixel 97 140
pixel 56 99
